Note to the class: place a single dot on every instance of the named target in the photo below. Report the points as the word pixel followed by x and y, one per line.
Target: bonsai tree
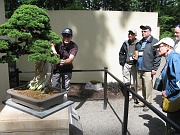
pixel 28 32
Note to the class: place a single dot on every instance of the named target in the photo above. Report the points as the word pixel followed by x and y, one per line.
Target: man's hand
pixel 164 94
pixel 57 55
pixel 153 72
pixel 67 61
pixel 62 62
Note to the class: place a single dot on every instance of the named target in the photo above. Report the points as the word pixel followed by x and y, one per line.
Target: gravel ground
pixel 97 121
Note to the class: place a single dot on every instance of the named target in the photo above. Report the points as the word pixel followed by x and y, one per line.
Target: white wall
pixel 99 35
pixel 4 81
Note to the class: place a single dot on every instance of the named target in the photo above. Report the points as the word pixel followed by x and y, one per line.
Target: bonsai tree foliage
pixel 28 32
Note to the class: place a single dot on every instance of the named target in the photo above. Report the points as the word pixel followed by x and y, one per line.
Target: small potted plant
pixel 28 32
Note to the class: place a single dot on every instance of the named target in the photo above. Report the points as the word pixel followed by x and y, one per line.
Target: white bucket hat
pixel 169 41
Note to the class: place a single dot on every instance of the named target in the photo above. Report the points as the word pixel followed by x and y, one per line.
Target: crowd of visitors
pixel 146 65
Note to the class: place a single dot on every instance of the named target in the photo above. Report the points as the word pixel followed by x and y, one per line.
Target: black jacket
pixel 123 53
pixel 151 59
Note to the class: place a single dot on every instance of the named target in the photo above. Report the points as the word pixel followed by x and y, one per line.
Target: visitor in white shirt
pixel 177 38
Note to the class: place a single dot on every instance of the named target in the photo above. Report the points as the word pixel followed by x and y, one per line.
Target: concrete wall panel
pixel 4 81
pixel 99 35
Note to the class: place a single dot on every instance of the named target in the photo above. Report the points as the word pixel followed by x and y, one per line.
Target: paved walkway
pixel 97 121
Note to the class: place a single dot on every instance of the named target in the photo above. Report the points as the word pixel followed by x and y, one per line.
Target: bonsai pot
pixel 37 104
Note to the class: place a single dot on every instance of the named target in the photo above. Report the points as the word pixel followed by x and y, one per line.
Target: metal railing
pixel 126 105
pixel 126 91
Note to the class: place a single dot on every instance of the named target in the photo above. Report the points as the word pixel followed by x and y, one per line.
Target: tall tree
pixel 168 9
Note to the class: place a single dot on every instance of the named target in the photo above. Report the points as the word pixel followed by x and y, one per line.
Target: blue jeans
pixel 61 80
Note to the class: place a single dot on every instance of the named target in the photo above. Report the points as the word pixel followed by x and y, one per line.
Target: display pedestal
pixel 16 122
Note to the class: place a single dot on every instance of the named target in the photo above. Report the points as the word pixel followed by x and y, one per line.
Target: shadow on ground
pixel 158 100
pixel 155 125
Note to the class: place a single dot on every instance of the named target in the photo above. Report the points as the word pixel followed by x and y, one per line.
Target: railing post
pixel 105 87
pixel 126 110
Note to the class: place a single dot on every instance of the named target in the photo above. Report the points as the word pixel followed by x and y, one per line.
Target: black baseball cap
pixel 145 27
pixel 67 31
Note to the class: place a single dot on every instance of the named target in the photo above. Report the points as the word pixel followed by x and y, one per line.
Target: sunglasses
pixel 144 31
pixel 66 36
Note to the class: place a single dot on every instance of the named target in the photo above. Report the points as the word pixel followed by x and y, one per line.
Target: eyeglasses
pixel 144 31
pixel 161 46
pixel 131 33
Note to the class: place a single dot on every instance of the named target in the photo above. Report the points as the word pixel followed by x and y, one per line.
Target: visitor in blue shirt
pixel 171 70
pixel 147 64
pixel 170 76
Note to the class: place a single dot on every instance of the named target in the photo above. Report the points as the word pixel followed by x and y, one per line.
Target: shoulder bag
pixel 171 106
pixel 158 84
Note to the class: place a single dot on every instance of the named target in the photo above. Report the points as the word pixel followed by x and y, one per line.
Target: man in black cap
pixel 127 62
pixel 66 51
pixel 147 64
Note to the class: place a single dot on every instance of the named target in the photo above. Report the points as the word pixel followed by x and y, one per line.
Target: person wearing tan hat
pixel 170 76
pixel 147 64
pixel 127 62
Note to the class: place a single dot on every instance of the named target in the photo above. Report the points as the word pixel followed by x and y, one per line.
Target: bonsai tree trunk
pixel 42 79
